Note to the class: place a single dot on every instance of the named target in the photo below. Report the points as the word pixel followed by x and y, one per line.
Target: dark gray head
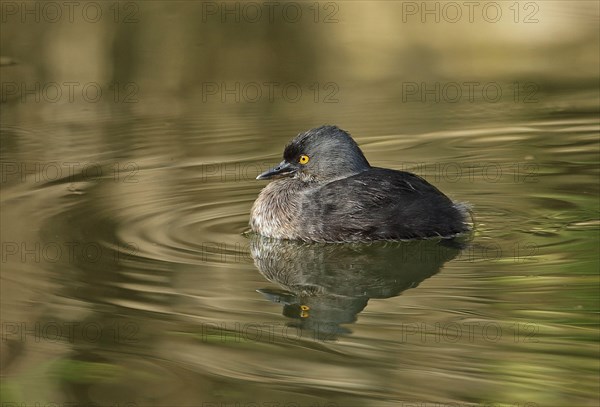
pixel 322 154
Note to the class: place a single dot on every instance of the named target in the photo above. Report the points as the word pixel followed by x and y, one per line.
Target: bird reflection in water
pixel 324 286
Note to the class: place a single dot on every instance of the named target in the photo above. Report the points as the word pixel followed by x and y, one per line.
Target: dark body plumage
pixel 337 196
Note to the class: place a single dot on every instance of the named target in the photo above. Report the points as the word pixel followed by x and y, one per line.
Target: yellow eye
pixel 303 159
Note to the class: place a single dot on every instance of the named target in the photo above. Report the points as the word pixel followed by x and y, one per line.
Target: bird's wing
pixel 380 204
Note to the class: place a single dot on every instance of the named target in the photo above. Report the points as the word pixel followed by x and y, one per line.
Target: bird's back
pixel 379 204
